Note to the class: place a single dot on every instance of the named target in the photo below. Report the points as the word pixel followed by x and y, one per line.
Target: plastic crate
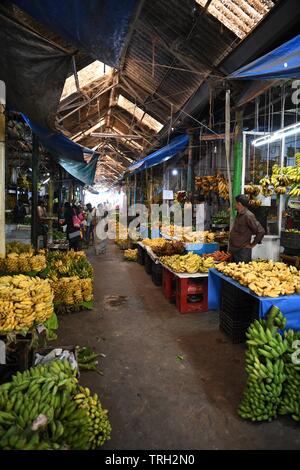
pixel 234 329
pixel 202 248
pixel 290 240
pixel 157 274
pixel 141 255
pixel 148 263
pixel 237 304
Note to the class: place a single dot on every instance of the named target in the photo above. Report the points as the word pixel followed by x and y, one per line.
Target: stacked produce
pixel 169 248
pixel 292 230
pixel 218 256
pixel 221 218
pixel 190 263
pixel 290 402
pixel 265 368
pixel 23 263
pixel 72 263
pixel 154 243
pixel 18 247
pixel 193 236
pixel 264 278
pixel 286 177
pixel 265 184
pixel 131 255
pixel 24 301
pixel 72 290
pixel 43 408
pixel 216 184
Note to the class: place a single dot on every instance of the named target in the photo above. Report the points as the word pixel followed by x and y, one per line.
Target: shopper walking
pixel 73 232
pixel 90 222
pixel 245 227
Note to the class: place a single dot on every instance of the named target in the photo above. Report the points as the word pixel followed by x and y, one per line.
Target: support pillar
pixel 50 209
pixel 190 182
pixel 35 178
pixel 238 155
pixel 2 169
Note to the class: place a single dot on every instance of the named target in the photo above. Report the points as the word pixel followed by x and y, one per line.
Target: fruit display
pixel 58 236
pixel 69 264
pixel 221 237
pixel 18 247
pixel 43 408
pixel 193 236
pixel 265 368
pixel 264 278
pixel 72 290
pixel 25 262
pixel 131 255
pixel 24 301
pixel 154 243
pixel 218 256
pixel 290 401
pixel 252 189
pixel 265 184
pixel 169 248
pixel 254 202
pixel 221 218
pixel 292 230
pixel 216 184
pixel 297 158
pixel 190 263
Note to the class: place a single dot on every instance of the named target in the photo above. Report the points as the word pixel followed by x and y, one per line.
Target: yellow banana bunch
pixel 130 255
pixel 24 301
pixel 190 263
pixel 23 262
pixel 295 191
pixel 72 290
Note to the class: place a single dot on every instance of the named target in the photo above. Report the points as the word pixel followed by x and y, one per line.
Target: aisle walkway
pixel 170 381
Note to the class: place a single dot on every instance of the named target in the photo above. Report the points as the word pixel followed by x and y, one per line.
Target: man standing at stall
pixel 245 227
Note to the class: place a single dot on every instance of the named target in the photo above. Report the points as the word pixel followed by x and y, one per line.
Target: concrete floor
pixel 155 399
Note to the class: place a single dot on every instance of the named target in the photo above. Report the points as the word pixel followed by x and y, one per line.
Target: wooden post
pixel 35 178
pixel 2 169
pixel 227 148
pixel 50 209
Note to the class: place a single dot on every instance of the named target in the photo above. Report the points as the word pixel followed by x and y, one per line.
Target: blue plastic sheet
pixel 176 146
pixel 81 171
pixel 288 304
pixel 283 62
pixel 67 153
pixel 99 27
pixel 58 143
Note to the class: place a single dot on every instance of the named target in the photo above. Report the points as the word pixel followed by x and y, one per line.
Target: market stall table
pixel 288 304
pixel 184 288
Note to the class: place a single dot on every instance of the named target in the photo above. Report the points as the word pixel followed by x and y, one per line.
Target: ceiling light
pixel 278 135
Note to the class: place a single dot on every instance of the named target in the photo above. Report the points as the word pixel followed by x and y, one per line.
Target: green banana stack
pixel 265 368
pixel 290 402
pixel 38 410
pixel 99 425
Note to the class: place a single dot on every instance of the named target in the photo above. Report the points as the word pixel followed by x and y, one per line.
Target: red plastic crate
pixel 186 287
pixel 169 284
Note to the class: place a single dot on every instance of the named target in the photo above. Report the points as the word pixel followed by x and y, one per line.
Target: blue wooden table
pixel 288 304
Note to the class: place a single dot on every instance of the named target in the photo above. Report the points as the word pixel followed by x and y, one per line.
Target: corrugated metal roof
pixel 240 16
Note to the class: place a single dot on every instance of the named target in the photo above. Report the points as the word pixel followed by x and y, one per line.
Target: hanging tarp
pixel 97 26
pixel 33 70
pixel 82 171
pixel 283 62
pixel 176 146
pixel 58 144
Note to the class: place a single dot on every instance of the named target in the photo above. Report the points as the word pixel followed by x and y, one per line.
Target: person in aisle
pixel 19 212
pixel 245 227
pixel 90 223
pixel 42 221
pixel 73 232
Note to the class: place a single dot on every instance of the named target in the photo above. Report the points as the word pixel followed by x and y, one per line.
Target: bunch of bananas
pixel 72 290
pixel 170 248
pixel 71 263
pixel 265 187
pixel 39 411
pixel 99 425
pixel 24 301
pixel 265 278
pixel 295 190
pixel 194 236
pixel 265 368
pixel 217 184
pixel 292 230
pixel 297 158
pixel 254 202
pixel 23 263
pixel 131 255
pixel 252 189
pixel 290 403
pixel 154 242
pixel 190 263
pixel 18 247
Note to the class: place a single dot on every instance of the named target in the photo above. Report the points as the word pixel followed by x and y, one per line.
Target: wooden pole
pixel 227 148
pixel 2 169
pixel 35 178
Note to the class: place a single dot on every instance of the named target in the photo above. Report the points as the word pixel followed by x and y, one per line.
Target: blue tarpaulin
pixel 176 146
pixel 97 26
pixel 283 62
pixel 67 153
pixel 288 304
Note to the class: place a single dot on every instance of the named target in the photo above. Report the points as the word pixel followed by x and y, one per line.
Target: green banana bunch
pixel 99 425
pixel 265 368
pixel 290 403
pixel 38 411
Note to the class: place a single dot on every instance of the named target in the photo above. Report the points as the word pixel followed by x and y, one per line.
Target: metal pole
pixel 190 165
pixel 35 178
pixel 2 169
pixel 50 209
